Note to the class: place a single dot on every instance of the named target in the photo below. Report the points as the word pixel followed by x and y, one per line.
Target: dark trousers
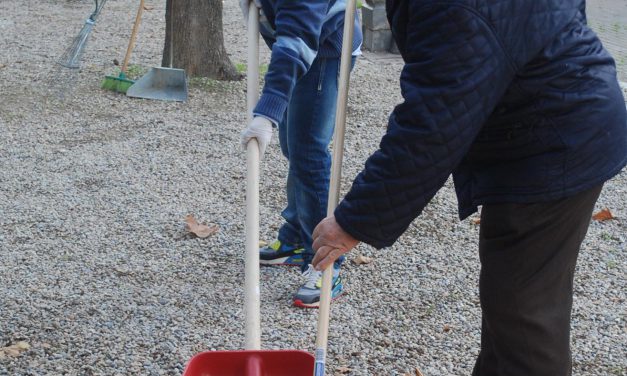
pixel 528 255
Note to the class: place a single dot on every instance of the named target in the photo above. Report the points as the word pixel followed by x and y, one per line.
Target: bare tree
pixel 194 40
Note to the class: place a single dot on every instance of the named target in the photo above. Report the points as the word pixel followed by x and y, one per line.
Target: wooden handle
pixel 252 299
pixel 334 186
pixel 252 69
pixel 131 42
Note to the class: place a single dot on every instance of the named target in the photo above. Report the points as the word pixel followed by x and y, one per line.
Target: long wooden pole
pixel 334 186
pixel 252 299
pixel 131 42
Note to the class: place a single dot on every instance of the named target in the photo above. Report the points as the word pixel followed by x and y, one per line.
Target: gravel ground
pixel 99 277
pixel 608 18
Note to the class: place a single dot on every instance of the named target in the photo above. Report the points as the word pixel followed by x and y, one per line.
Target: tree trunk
pixel 194 39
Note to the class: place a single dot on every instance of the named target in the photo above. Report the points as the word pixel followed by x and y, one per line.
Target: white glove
pixel 245 4
pixel 259 128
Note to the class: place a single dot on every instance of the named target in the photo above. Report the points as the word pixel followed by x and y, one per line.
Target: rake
pixel 71 58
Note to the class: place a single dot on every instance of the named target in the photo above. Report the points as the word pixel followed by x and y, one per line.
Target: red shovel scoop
pixel 252 361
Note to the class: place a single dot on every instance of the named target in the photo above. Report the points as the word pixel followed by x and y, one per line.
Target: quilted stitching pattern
pixel 475 70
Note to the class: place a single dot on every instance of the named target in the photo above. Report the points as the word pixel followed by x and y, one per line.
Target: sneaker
pixel 281 254
pixel 308 295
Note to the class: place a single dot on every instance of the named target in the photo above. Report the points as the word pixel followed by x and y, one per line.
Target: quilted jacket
pixel 517 99
pixel 297 32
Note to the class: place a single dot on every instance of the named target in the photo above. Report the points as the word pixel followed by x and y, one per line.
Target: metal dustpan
pixel 161 83
pixel 252 361
pixel 166 84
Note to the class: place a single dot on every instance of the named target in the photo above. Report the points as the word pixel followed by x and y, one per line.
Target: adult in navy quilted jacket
pixel 299 96
pixel 519 101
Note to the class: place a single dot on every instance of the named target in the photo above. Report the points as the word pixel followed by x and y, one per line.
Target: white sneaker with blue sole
pixel 308 295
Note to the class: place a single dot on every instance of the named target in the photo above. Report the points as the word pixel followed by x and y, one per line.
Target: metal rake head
pixel 71 58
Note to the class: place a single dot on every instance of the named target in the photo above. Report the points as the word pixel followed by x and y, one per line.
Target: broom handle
pixel 252 69
pixel 131 42
pixel 334 186
pixel 252 299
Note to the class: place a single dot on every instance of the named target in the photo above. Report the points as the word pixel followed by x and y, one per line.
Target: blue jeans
pixel 304 135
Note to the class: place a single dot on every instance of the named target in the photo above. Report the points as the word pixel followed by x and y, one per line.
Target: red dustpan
pixel 252 361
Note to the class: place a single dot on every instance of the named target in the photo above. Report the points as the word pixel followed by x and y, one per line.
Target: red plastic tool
pixel 251 363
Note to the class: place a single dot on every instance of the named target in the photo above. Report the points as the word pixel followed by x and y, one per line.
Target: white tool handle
pixel 334 186
pixel 252 299
pixel 252 69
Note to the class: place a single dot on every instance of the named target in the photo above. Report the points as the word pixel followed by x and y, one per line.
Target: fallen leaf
pixel 603 215
pixel 476 220
pixel 360 259
pixel 418 373
pixel 14 350
pixel 200 230
pixel 121 271
pixel 344 370
pixel 22 345
pixel 446 328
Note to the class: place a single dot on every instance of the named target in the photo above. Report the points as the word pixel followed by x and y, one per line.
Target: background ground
pixel 609 19
pixel 98 276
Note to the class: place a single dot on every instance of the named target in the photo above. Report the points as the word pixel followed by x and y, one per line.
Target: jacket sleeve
pixel 454 75
pixel 298 26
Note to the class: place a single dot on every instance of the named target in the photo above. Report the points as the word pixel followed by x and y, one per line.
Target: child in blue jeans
pixel 299 97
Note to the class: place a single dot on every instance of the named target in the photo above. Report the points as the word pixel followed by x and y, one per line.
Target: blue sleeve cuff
pixel 271 107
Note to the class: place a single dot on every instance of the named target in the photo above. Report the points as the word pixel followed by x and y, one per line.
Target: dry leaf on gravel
pixel 343 370
pixel 416 373
pixel 200 230
pixel 361 259
pixel 14 350
pixel 476 220
pixel 603 215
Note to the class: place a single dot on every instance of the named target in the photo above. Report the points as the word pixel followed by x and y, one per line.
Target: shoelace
pixel 312 276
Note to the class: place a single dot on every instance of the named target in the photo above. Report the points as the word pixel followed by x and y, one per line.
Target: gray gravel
pixel 98 275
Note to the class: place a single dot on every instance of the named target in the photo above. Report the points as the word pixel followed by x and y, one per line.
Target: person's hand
pixel 259 128
pixel 330 242
pixel 245 5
